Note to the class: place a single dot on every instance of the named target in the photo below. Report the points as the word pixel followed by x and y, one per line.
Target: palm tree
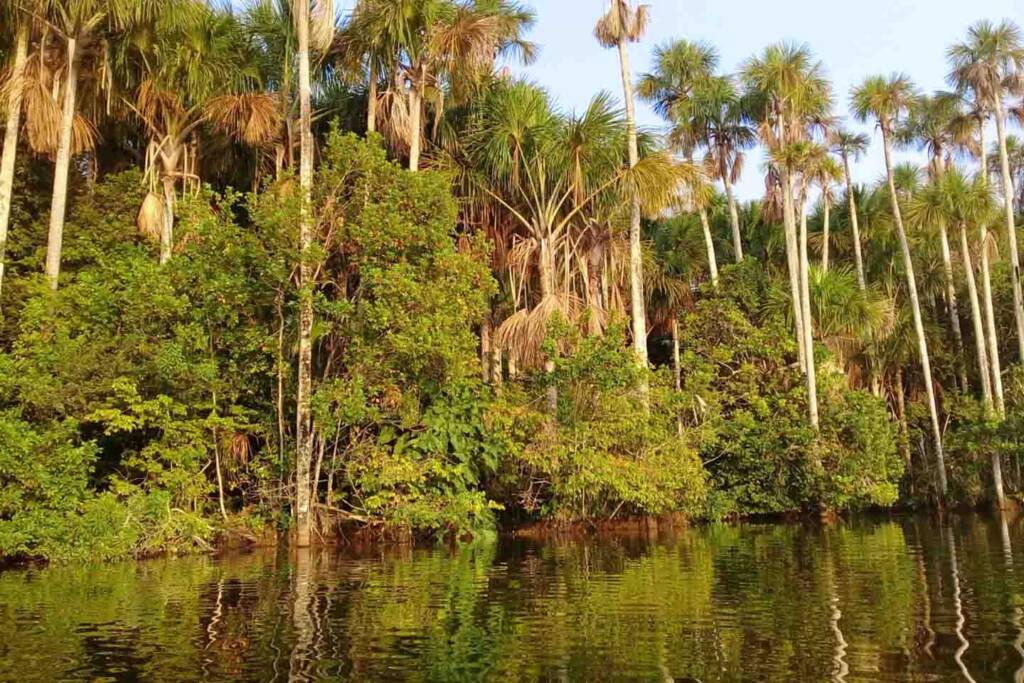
pixel 825 173
pixel 14 88
pixel 789 94
pixel 313 32
pixel 851 145
pixel 81 24
pixel 680 70
pixel 988 63
pixel 931 127
pixel 197 72
pixel 623 24
pixel 887 99
pixel 726 134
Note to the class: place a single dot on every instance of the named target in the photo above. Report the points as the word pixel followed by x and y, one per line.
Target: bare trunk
pixel 485 350
pixel 676 369
pixel 979 328
pixel 636 274
pixel 793 262
pixel 58 205
pixel 371 99
pixel 303 427
pixel 11 139
pixel 954 309
pixel 808 321
pixel 825 233
pixel 710 245
pixel 915 305
pixel 901 415
pixel 547 288
pixel 991 337
pixel 734 218
pixel 415 127
pixel 854 224
pixel 1011 231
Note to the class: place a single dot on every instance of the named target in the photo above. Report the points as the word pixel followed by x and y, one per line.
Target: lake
pixel 867 599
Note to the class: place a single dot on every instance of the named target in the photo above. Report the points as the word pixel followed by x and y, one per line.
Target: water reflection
pixel 868 599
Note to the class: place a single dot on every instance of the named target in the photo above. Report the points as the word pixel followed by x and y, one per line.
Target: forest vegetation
pixel 272 269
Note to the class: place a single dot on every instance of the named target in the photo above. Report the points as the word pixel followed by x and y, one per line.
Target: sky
pixel 852 39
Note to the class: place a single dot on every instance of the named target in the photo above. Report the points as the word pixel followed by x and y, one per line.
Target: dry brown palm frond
pixel 468 43
pixel 237 448
pixel 394 121
pixel 251 118
pixel 151 217
pixel 521 254
pixel 524 331
pixel 43 121
pixel 156 105
pixel 322 25
pixel 621 21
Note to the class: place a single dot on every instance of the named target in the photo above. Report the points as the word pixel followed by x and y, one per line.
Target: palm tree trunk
pixel 991 337
pixel 303 426
pixel 1004 163
pixel 59 202
pixel 636 273
pixel 793 262
pixel 547 289
pixel 485 350
pixel 677 371
pixel 415 126
pixel 854 224
pixel 371 99
pixel 979 328
pixel 826 225
pixel 10 152
pixel 915 305
pixel 734 218
pixel 808 326
pixel 954 310
pixel 710 245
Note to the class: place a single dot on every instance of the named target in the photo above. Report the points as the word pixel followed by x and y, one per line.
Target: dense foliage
pixel 451 305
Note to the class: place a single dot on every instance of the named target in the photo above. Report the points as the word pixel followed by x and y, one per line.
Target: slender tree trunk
pixel 303 426
pixel 371 99
pixel 734 218
pixel 636 273
pixel 415 127
pixel 901 415
pixel 827 205
pixel 677 371
pixel 710 245
pixel 992 337
pixel 915 305
pixel 854 224
pixel 1011 231
pixel 808 321
pixel 979 328
pixel 13 125
pixel 61 168
pixel 954 309
pixel 547 289
pixel 485 350
pixel 793 262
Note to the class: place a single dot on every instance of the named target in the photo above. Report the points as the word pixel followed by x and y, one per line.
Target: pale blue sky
pixel 852 38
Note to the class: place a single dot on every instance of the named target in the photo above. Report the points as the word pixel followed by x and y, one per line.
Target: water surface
pixel 902 599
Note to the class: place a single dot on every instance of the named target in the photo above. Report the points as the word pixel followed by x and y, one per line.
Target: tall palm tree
pixel 681 68
pixel 623 24
pixel 852 145
pixel 825 173
pixel 989 62
pixel 789 95
pixel 725 134
pixel 82 25
pixel 886 100
pixel 314 31
pixel 14 87
pixel 931 127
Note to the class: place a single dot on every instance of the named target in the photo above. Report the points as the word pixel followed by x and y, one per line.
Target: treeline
pixel 270 270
